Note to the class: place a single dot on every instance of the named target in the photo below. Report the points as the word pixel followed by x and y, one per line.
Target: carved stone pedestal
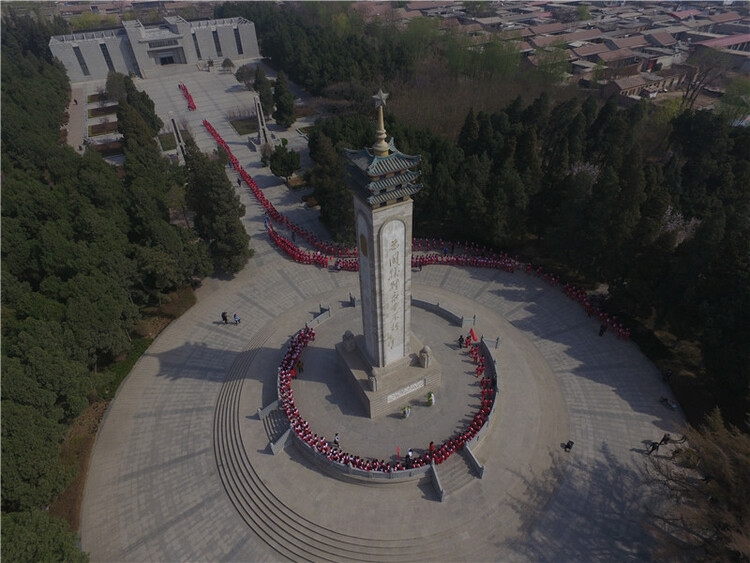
pixel 387 389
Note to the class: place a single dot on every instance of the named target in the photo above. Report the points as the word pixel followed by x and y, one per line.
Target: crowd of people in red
pixel 294 251
pixel 288 371
pixel 477 257
pixel 437 251
pixel 188 97
pixel 345 257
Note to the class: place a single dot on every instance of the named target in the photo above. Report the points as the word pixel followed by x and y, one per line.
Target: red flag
pixel 473 335
pixel 398 453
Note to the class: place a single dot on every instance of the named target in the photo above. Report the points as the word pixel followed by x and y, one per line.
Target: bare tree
pixel 704 511
pixel 266 150
pixel 710 65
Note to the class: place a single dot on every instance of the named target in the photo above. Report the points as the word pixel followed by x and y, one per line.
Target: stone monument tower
pixel 382 179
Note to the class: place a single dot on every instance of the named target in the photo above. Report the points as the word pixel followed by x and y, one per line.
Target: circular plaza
pixel 182 468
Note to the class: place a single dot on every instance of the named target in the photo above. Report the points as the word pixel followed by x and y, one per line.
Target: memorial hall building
pixel 143 49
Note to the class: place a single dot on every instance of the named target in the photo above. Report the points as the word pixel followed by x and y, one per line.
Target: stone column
pixel 384 236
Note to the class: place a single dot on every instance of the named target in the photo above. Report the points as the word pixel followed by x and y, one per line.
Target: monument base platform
pixel 384 390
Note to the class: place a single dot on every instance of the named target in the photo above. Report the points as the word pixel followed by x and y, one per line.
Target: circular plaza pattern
pixel 182 469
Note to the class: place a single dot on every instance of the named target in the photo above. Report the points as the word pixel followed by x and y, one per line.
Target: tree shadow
pixel 562 331
pixel 582 509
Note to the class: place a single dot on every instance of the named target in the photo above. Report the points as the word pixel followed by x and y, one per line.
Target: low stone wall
pixel 490 369
pixel 349 473
pixel 352 474
pixel 436 309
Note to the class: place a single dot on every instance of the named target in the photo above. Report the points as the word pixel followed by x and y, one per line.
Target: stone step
pixel 275 424
pixel 280 527
pixel 456 473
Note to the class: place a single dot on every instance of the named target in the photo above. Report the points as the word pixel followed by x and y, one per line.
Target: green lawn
pixel 167 141
pixel 245 125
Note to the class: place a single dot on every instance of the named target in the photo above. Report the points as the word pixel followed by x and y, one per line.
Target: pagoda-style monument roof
pixel 374 165
pixel 381 173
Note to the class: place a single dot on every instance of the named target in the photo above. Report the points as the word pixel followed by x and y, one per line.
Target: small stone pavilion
pixel 389 367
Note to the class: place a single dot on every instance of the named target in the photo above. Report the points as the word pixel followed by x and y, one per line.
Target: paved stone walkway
pixel 155 492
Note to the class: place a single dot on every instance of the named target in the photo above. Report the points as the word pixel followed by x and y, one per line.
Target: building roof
pixel 145 33
pixel 584 64
pixel 725 17
pixel 629 42
pixel 547 28
pixel 683 14
pixel 721 42
pixel 628 82
pixel 661 39
pixel 493 20
pixel 591 49
pixel 617 55
pixel 583 35
pixel 426 5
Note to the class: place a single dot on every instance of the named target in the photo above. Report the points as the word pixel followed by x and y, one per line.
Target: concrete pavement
pixel 155 490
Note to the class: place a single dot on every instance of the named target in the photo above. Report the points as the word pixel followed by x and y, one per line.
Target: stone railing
pixel 444 313
pixel 349 473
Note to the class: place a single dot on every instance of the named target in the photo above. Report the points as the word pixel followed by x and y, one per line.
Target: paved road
pixel 155 491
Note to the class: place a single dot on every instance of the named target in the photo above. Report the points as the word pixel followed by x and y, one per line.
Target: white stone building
pixel 140 49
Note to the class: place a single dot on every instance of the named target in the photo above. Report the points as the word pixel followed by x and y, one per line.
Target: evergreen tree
pixel 284 162
pixel 262 85
pixel 331 192
pixel 32 474
pixel 218 211
pixel 469 135
pixel 284 100
pixel 36 536
pixel 528 163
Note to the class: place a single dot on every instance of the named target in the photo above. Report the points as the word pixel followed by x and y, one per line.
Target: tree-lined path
pixel 158 487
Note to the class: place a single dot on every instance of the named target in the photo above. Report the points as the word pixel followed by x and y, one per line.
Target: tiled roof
pixel 398 193
pixel 720 42
pixel 395 180
pixel 426 5
pixel 617 55
pixel 628 82
pixel 628 42
pixel 375 166
pixel 547 28
pixel 726 17
pixel 592 49
pixel 685 14
pixel 661 38
pixel 583 35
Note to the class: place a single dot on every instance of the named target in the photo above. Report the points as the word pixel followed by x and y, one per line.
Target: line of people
pixel 188 97
pixel 294 252
pixel 324 247
pixel 288 370
pixel 419 260
pixel 472 255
